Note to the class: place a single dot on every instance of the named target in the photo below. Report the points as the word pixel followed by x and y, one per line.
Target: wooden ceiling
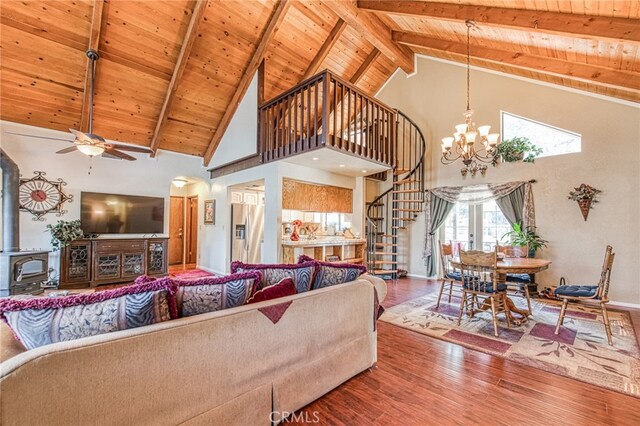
pixel 171 73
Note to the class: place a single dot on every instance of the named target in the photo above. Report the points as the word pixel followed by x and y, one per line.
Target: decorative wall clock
pixel 40 196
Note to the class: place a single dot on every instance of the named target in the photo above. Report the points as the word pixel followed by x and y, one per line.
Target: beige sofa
pixel 229 367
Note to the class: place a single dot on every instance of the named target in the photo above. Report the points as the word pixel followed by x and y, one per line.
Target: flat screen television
pixel 121 214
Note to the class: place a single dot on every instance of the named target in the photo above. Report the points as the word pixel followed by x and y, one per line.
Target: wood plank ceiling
pixel 171 73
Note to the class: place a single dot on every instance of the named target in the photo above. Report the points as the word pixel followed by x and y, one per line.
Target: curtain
pixel 512 205
pixel 515 199
pixel 438 211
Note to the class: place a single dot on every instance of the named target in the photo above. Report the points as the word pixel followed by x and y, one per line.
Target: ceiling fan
pixel 89 143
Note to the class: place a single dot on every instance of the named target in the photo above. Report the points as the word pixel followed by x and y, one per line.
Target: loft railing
pixel 325 111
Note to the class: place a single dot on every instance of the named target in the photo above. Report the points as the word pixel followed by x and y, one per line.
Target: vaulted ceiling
pixel 171 73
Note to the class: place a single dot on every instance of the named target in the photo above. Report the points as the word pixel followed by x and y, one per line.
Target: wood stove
pixel 23 272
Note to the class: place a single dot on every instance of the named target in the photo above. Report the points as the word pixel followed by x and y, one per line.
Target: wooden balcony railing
pixel 325 111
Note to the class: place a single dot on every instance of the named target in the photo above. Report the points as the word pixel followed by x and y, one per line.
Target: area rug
pixel 190 274
pixel 580 351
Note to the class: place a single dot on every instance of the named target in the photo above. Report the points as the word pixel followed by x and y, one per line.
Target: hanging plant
pixel 585 195
pixel 516 149
pixel 64 232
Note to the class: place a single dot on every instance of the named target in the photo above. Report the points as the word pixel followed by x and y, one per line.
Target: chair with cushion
pixel 451 278
pixel 589 293
pixel 518 283
pixel 480 279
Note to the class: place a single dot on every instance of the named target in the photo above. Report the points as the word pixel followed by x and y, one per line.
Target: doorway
pixel 478 227
pixel 176 230
pixel 191 243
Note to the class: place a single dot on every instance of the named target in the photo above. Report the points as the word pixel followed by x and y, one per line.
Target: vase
pixel 585 206
pixel 294 234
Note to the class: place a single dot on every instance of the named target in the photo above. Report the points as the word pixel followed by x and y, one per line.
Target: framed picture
pixel 210 212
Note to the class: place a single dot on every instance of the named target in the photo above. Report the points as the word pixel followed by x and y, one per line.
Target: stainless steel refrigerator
pixel 247 226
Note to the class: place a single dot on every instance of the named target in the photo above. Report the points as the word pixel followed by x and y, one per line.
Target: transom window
pixel 552 140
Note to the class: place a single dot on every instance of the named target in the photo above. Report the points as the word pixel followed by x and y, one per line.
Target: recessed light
pixel 341 165
pixel 315 158
pixel 364 171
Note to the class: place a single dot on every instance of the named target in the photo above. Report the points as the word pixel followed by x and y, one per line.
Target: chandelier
pixel 463 142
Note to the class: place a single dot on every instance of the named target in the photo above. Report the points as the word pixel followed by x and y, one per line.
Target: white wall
pixel 146 176
pixel 610 161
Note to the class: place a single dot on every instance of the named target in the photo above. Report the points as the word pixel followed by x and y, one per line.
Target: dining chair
pixel 456 247
pixel 585 294
pixel 517 283
pixel 451 278
pixel 480 279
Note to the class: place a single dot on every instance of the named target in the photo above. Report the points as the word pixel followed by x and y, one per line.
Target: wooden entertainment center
pixel 93 262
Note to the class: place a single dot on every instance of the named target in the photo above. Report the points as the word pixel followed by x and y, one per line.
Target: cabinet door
pixel 157 257
pixel 76 265
pixel 133 264
pixel 107 266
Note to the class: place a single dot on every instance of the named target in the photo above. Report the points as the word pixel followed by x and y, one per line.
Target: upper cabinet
pixel 316 198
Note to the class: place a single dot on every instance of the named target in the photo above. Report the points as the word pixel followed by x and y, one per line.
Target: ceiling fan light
pixel 90 150
pixel 179 183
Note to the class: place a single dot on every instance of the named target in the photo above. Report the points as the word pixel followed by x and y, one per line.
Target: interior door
pixel 176 231
pixel 192 230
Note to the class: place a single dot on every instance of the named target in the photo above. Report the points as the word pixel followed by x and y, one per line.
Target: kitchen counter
pixel 319 242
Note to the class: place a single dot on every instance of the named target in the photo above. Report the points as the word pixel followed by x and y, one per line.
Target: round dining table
pixel 512 265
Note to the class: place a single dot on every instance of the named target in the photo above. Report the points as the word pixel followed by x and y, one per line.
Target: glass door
pixel 475 227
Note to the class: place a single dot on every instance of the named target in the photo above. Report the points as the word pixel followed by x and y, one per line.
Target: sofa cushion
pixel 301 274
pixel 333 273
pixel 285 287
pixel 576 290
pixel 45 320
pixel 208 294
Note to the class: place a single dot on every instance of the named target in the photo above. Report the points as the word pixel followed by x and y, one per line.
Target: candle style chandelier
pixel 463 142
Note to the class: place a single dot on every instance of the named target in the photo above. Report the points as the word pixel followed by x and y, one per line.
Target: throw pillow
pixel 301 274
pixel 285 287
pixel 333 273
pixel 45 320
pixel 208 294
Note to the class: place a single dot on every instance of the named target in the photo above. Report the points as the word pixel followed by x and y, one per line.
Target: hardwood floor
pixel 420 380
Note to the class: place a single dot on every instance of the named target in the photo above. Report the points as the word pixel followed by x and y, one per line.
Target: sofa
pixel 249 365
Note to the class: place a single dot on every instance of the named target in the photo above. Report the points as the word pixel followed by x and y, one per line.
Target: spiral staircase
pixel 391 213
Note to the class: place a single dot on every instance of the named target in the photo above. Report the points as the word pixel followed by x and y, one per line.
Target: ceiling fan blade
pixel 107 155
pixel 67 150
pixel 116 153
pixel 120 147
pixel 38 137
pixel 81 137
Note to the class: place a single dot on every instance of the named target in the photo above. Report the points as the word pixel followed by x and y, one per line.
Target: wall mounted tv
pixel 121 214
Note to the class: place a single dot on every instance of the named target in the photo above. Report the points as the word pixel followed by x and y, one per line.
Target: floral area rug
pixel 579 351
pixel 190 274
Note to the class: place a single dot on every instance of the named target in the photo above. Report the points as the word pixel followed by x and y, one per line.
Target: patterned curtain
pixel 445 197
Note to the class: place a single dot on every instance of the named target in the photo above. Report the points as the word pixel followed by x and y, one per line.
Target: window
pixel 552 140
pixel 478 227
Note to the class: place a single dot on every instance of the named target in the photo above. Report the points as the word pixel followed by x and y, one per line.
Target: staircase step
pixel 407 210
pixel 400 171
pixel 384 262
pixel 386 244
pixel 398 227
pixel 384 271
pixel 382 253
pixel 408 201
pixel 388 236
pixel 406 191
pixel 405 181
pixel 376 218
pixel 407 219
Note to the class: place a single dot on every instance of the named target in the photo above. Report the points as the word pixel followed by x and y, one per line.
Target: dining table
pixel 512 265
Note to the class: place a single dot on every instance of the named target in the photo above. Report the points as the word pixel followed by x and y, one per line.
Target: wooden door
pixel 192 230
pixel 176 231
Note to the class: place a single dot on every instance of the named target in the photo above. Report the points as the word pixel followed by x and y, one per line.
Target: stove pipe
pixel 10 203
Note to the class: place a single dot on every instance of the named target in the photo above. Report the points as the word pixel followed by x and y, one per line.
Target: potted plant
pixel 64 232
pixel 516 149
pixel 585 195
pixel 525 237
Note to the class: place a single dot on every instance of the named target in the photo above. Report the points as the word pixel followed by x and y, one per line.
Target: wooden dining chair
pixel 517 283
pixel 451 278
pixel 480 280
pixel 589 294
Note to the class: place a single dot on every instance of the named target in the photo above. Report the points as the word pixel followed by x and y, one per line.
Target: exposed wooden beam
pixel 181 63
pixel 362 70
pixel 261 75
pixel 584 26
pixel 94 41
pixel 544 64
pixel 269 31
pixel 371 27
pixel 328 44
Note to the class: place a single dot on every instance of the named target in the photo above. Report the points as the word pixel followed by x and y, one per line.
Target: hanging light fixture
pixel 463 142
pixel 179 182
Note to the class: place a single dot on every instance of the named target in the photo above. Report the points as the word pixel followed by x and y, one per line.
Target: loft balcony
pixel 325 122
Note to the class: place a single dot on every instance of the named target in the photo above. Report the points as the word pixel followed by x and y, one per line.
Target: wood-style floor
pixel 420 380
